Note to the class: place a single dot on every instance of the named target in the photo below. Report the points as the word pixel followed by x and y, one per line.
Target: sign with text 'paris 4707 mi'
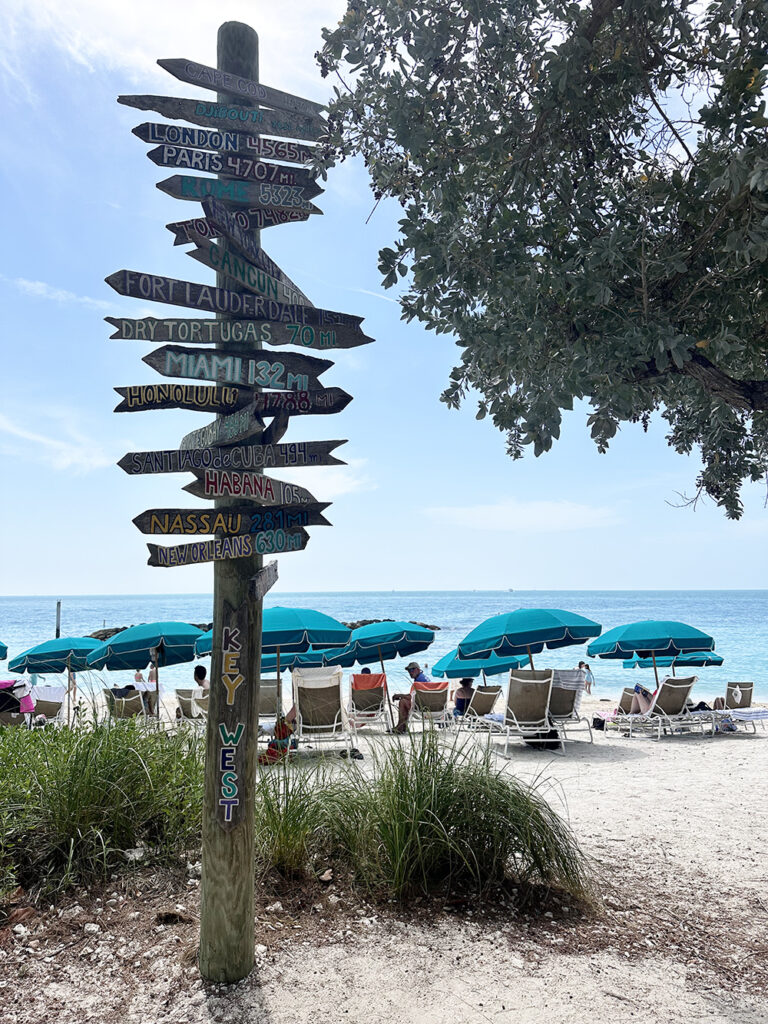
pixel 224 141
pixel 235 165
pixel 237 332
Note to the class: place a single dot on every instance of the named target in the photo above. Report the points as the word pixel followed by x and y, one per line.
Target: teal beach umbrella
pixel 452 667
pixel 3 651
pixel 65 653
pixel 381 641
pixel 527 631
pixel 649 639
pixel 692 659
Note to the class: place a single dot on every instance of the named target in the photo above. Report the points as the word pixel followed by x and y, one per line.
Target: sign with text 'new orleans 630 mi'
pixel 252 218
pixel 224 141
pixel 231 521
pixel 223 115
pixel 196 397
pixel 249 457
pixel 222 81
pixel 271 542
pixel 154 288
pixel 246 193
pixel 263 490
pixel 293 371
pixel 237 332
pixel 235 165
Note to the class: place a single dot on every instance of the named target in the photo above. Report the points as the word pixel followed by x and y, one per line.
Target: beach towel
pixel 19 690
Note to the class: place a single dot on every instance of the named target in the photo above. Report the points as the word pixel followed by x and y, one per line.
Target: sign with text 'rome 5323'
pixel 272 542
pixel 222 115
pixel 154 288
pixel 235 165
pixel 246 193
pixel 238 332
pixel 233 520
pixel 224 141
pixel 250 457
pixel 293 371
pixel 222 81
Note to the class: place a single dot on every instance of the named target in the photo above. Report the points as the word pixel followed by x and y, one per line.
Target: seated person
pixel 462 697
pixel 201 679
pixel 405 700
pixel 641 700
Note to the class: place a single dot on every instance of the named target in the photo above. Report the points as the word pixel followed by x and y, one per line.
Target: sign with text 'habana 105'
pixel 222 115
pixel 263 490
pixel 235 165
pixel 238 332
pixel 196 397
pixel 252 219
pixel 272 542
pixel 247 457
pixel 234 520
pixel 222 81
pixel 293 371
pixel 224 141
pixel 154 288
pixel 225 260
pixel 245 193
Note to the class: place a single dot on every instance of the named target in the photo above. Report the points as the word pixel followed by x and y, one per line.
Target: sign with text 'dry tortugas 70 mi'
pixel 271 542
pixel 234 332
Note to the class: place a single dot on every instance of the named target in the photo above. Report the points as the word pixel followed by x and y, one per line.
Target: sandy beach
pixel 676 831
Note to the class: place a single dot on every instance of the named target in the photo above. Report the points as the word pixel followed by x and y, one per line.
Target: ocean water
pixel 738 620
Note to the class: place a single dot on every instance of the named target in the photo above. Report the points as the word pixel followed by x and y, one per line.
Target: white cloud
pixel 76 453
pixel 41 290
pixel 512 515
pixel 329 482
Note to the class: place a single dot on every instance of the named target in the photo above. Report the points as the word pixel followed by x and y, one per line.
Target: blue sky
pixel 429 500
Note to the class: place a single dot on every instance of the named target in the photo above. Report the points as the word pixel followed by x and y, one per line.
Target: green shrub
pixel 290 815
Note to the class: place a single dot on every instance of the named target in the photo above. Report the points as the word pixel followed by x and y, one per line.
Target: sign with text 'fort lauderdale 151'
pixel 234 520
pixel 222 115
pixel 293 371
pixel 224 141
pixel 245 193
pixel 155 288
pixel 271 542
pixel 249 457
pixel 238 332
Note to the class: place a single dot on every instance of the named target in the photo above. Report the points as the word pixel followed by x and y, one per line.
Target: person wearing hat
pixel 405 700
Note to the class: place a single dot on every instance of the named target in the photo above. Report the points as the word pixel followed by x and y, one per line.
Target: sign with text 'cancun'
pixel 222 81
pixel 196 397
pixel 225 260
pixel 238 332
pixel 225 141
pixel 272 542
pixel 155 288
pixel 290 372
pixel 222 115
pixel 226 483
pixel 235 165
pixel 245 193
pixel 249 457
pixel 232 521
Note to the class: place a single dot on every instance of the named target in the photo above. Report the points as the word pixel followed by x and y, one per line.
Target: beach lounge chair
pixel 738 706
pixel 128 706
pixel 482 703
pixel 10 706
pixel 49 701
pixel 186 701
pixel 668 710
pixel 202 706
pixel 430 701
pixel 368 700
pixel 616 718
pixel 320 713
pixel 568 686
pixel 526 713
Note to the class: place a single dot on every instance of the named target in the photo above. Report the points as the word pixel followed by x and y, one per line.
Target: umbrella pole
pixel 530 657
pixel 655 670
pixel 69 688
pixel 386 690
pixel 279 697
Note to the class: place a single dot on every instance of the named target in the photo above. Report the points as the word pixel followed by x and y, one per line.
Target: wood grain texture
pixel 224 549
pixel 242 193
pixel 188 330
pixel 289 371
pixel 242 486
pixel 196 397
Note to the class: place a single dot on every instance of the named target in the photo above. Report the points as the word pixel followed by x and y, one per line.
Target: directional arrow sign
pixel 226 483
pixel 239 332
pixel 253 219
pixel 224 141
pixel 222 258
pixel 240 426
pixel 281 197
pixel 263 581
pixel 249 457
pixel 234 520
pixel 293 371
pixel 197 397
pixel 222 81
pixel 235 166
pixel 221 115
pixel 272 542
pixel 152 287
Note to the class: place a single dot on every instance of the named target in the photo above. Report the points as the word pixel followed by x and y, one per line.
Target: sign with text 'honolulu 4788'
pixel 246 193
pixel 233 520
pixel 222 115
pixel 250 457
pixel 154 288
pixel 225 141
pixel 272 542
pixel 238 332
pixel 293 371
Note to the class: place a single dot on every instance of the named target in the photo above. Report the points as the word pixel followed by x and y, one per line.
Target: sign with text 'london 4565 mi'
pixel 233 520
pixel 271 542
pixel 293 371
pixel 224 141
pixel 235 332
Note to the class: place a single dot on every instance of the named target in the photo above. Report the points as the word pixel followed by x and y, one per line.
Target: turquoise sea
pixel 738 620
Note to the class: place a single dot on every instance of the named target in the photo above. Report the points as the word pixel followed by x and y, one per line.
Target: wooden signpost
pixel 225 116
pixel 254 394
pixel 155 288
pixel 238 332
pixel 224 141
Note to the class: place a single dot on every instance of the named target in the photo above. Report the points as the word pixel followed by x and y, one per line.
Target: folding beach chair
pixel 617 718
pixel 526 713
pixel 49 701
pixel 668 710
pixel 320 714
pixel 430 700
pixel 481 703
pixel 186 701
pixel 122 703
pixel 368 700
pixel 201 703
pixel 738 706
pixel 568 686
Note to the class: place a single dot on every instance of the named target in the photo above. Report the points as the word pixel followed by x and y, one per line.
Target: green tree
pixel 585 209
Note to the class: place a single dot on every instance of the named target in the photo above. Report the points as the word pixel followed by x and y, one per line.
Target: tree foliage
pixel 584 207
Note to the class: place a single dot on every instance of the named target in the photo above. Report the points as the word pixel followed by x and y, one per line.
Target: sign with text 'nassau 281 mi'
pixel 233 520
pixel 271 542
